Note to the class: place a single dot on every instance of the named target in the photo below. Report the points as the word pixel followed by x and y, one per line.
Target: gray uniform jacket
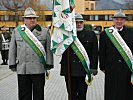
pixel 22 55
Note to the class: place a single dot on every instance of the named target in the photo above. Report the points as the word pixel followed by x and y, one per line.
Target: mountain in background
pixel 100 4
pixel 111 4
pixel 103 4
pixel 120 1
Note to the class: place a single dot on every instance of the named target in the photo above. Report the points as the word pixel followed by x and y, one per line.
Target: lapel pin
pixel 110 30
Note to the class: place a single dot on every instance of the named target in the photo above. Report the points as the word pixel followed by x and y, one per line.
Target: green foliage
pixel 88 27
pixel 129 26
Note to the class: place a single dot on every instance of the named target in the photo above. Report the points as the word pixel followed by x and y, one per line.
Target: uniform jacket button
pixel 119 60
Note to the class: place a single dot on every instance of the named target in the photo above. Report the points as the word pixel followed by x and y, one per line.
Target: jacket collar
pixel 36 30
pixel 37 27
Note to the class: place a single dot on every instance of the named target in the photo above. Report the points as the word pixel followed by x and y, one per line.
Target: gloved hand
pixel 13 68
pixel 93 71
pixel 48 67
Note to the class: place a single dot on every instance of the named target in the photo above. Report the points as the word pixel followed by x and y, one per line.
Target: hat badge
pixel 23 29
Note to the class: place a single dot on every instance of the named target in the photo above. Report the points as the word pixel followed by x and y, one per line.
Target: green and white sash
pixel 64 33
pixel 83 57
pixel 122 47
pixel 34 43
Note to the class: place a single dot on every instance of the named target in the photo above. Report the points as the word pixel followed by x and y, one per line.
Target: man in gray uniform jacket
pixel 31 55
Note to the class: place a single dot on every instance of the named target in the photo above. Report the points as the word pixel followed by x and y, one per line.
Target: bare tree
pixel 13 5
pixel 16 5
pixel 35 4
pixel 129 4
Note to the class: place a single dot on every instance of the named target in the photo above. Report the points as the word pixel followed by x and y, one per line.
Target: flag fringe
pixel 89 83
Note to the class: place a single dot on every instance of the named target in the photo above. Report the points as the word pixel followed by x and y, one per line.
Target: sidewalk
pixel 4 70
pixel 55 88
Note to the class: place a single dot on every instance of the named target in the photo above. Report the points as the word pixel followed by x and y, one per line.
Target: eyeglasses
pixel 79 22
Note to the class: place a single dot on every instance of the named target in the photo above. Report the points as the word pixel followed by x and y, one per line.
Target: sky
pixel 48 5
pixel 42 1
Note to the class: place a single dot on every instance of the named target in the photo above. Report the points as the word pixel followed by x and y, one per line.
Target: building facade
pixel 101 18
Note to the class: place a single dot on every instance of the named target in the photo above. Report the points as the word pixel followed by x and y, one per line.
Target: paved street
pixel 54 88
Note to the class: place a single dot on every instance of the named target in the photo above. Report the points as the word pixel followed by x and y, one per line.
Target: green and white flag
pixel 64 33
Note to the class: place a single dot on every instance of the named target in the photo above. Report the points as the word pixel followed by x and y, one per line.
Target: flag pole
pixel 69 75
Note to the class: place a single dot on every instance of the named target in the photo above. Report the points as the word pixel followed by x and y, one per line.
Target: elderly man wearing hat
pixel 77 71
pixel 116 59
pixel 30 54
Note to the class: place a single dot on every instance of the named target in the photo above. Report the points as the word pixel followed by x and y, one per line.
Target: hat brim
pixel 80 20
pixel 30 16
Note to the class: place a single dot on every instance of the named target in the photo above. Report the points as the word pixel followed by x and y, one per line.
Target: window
pixel 101 17
pixel 12 17
pixel 130 17
pixel 106 17
pixel 92 6
pixel 96 17
pixel 6 18
pixel 48 18
pixel 110 17
pixel 86 8
pixel 92 17
pixel 2 18
pixel 86 17
pixel 20 18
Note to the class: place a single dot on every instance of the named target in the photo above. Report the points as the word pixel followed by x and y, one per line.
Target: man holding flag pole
pixel 80 50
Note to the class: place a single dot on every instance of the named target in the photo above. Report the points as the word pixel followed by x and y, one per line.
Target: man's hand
pixel 48 67
pixel 93 71
pixel 13 68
